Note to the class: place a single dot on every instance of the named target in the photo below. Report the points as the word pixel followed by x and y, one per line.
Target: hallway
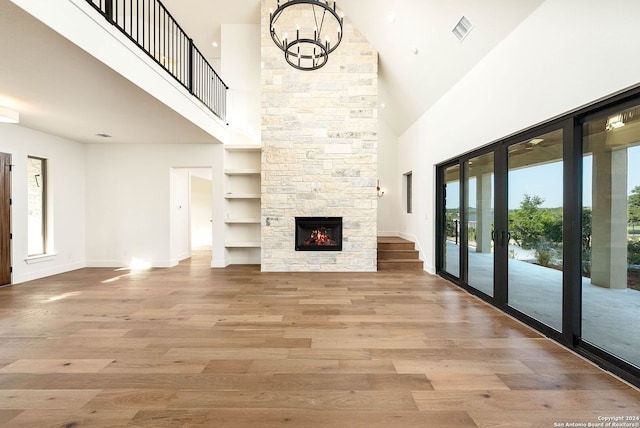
pixel 194 346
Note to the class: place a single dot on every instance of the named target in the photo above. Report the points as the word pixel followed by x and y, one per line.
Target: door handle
pixel 505 237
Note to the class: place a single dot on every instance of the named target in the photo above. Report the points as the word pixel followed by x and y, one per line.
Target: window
pixel 408 191
pixel 36 205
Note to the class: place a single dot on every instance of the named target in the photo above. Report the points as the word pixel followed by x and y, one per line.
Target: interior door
pixel 5 219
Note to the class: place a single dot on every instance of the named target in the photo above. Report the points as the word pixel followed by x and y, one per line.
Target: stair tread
pixel 398 255
pixel 392 240
pixel 399 246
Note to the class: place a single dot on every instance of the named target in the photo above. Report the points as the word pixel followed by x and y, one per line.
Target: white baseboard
pixel 219 264
pixel 42 273
pixel 388 233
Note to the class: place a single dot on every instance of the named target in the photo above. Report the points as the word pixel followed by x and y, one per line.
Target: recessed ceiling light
pixel 415 50
pixel 614 122
pixel 392 18
pixel 214 44
pixel 383 105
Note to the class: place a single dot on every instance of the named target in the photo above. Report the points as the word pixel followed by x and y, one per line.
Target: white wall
pixel 131 204
pixel 390 204
pixel 241 71
pixel 566 54
pixel 66 174
pixel 201 211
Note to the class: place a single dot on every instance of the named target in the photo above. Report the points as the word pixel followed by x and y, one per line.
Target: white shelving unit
pixel 242 203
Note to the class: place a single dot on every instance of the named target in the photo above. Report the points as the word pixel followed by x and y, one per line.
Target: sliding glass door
pixel 478 217
pixel 545 225
pixel 534 238
pixel 451 243
pixel 611 233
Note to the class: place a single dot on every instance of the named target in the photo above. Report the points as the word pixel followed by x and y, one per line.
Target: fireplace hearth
pixel 318 234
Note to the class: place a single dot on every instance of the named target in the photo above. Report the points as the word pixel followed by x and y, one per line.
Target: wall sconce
pixel 9 116
pixel 379 190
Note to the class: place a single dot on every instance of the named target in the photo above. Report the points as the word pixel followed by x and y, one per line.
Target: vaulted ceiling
pixel 60 89
pixel 410 82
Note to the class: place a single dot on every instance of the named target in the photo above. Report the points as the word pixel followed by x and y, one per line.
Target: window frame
pixel 408 191
pixel 44 202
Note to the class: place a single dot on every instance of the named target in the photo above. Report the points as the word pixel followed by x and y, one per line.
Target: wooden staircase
pixel 397 254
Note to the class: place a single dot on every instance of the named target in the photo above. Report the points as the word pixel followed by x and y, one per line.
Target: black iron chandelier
pixel 313 23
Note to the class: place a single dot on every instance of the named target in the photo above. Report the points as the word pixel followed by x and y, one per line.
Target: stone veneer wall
pixel 319 137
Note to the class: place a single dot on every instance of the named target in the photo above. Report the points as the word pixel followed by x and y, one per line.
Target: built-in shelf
pixel 242 172
pixel 242 148
pixel 248 220
pixel 242 244
pixel 242 196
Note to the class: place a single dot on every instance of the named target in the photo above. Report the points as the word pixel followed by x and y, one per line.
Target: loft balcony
pixel 149 25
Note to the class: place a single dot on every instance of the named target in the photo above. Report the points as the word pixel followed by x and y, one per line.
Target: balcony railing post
pixel 108 10
pixel 191 68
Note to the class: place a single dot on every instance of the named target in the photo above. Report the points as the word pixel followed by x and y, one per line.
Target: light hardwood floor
pixel 194 346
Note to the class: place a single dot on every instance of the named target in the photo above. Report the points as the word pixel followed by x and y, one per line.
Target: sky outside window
pixel 543 181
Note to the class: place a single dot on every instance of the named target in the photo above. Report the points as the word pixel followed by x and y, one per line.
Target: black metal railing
pixel 150 25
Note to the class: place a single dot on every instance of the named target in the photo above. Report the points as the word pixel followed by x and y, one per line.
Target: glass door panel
pixel 451 242
pixel 534 238
pixel 611 234
pixel 479 191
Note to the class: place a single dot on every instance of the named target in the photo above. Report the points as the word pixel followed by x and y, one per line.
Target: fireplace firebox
pixel 318 233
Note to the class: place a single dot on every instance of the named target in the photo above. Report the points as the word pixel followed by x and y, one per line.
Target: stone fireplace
pixel 319 159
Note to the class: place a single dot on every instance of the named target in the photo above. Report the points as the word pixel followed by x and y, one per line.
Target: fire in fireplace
pixel 318 233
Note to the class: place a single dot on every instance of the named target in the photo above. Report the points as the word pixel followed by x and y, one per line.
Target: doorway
pixel 191 213
pixel 201 197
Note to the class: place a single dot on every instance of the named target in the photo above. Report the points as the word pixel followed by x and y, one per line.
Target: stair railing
pixel 150 26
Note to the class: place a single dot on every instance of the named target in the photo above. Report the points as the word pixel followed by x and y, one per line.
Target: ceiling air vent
pixel 462 28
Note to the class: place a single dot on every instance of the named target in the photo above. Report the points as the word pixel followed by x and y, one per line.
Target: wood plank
pixel 89 418
pixel 45 399
pixel 310 400
pixel 241 418
pixel 615 400
pixel 536 419
pixel 56 366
